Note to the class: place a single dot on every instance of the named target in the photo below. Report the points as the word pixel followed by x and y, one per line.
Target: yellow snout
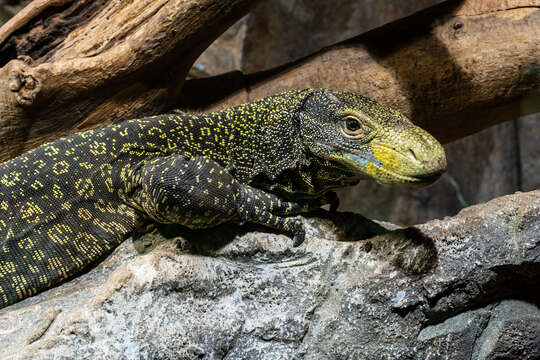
pixel 415 160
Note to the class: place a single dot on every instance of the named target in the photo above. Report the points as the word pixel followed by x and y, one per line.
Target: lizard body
pixel 68 203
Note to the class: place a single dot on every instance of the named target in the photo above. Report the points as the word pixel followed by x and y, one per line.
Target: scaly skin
pixel 68 203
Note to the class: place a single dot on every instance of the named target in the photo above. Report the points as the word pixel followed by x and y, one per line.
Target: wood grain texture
pixel 89 63
pixel 454 69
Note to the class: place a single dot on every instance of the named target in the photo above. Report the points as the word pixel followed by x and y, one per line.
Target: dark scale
pixel 67 204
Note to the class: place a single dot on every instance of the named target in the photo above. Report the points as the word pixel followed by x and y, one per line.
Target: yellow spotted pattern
pixel 68 203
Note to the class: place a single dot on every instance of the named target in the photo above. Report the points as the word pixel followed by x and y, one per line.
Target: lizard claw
pixel 299 238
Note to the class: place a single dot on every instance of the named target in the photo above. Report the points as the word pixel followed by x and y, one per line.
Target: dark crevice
pixel 483 327
pixel 519 165
pixel 40 36
pixel 519 282
pixel 505 9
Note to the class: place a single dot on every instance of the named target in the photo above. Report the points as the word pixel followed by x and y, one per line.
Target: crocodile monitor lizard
pixel 66 204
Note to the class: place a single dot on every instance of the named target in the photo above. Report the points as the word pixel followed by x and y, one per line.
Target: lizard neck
pixel 260 140
pixel 267 140
pixel 251 140
pixel 308 180
pixel 260 144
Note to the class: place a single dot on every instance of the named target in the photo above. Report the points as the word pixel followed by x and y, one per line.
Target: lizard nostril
pixel 412 154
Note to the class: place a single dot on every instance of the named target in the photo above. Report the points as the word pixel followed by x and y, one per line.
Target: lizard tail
pixel 31 263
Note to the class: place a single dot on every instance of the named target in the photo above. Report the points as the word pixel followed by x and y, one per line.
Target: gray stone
pixel 457 334
pixel 513 332
pixel 506 330
pixel 354 290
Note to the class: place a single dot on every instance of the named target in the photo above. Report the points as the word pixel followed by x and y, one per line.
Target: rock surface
pixel 459 288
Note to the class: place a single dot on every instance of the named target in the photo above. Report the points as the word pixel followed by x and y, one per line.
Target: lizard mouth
pixel 394 178
pixel 378 171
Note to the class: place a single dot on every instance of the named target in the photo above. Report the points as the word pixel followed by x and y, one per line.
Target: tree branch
pixel 88 63
pixel 454 69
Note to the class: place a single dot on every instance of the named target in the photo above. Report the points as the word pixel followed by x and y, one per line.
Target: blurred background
pixel 496 161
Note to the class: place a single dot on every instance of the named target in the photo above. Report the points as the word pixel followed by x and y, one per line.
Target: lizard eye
pixel 352 124
pixel 353 127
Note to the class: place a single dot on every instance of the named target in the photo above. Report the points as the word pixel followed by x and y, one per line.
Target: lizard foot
pixel 299 232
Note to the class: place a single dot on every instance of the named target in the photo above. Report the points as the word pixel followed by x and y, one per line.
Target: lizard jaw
pixel 392 178
pixel 383 175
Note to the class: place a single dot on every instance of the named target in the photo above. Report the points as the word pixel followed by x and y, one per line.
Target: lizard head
pixel 369 140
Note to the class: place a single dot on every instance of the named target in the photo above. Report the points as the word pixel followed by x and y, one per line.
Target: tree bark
pixel 454 69
pixel 70 65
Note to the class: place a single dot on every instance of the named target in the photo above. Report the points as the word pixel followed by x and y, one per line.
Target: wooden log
pixel 454 69
pixel 70 65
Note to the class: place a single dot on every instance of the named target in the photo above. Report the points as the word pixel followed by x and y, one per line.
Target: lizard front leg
pixel 200 193
pixel 255 205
